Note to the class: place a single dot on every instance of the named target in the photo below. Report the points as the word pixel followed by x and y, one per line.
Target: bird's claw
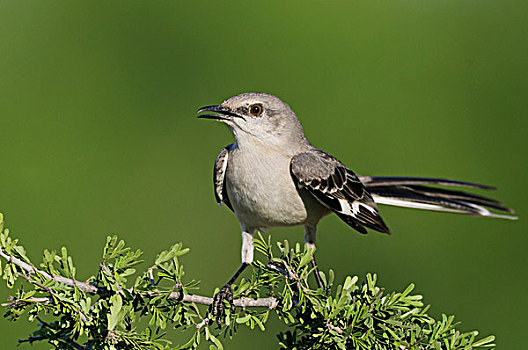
pixel 225 293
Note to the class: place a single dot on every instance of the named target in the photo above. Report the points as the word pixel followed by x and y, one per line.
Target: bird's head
pixel 257 117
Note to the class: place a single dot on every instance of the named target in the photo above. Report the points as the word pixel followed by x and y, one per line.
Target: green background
pixel 98 134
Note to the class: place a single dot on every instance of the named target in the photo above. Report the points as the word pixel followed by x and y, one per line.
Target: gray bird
pixel 272 176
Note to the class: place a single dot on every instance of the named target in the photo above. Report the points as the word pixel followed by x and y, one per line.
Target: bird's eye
pixel 255 109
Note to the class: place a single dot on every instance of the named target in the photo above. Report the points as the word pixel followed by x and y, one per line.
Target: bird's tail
pixel 417 192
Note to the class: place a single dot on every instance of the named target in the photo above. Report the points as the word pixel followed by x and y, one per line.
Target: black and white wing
pixel 338 188
pixel 219 173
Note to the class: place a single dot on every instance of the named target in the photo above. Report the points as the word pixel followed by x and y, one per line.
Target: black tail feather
pixel 413 191
pixel 462 196
pixel 402 180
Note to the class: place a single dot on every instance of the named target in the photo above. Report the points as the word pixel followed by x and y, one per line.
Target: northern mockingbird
pixel 272 176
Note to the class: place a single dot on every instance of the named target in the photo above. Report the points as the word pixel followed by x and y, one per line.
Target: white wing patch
pixel 353 210
pixel 345 207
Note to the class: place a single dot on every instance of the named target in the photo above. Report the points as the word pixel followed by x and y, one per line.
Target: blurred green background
pixel 98 134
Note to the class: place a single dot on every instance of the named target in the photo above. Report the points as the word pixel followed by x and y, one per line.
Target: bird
pixel 272 176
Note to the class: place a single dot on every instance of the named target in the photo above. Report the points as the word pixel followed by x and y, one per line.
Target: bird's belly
pixel 264 195
pixel 266 206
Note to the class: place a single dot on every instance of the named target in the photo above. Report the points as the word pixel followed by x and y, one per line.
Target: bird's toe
pixel 225 294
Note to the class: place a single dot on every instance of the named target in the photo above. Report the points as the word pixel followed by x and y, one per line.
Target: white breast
pixel 261 190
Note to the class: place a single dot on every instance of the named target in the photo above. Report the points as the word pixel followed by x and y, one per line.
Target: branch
pixel 13 301
pixel 351 315
pixel 85 287
pixel 105 269
pixel 270 303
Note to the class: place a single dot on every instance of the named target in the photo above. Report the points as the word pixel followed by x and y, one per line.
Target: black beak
pixel 221 113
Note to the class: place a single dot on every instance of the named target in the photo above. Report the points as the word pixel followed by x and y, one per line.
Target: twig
pixel 85 287
pixel 36 283
pixel 33 339
pixel 13 301
pixel 107 270
pixel 269 303
pixel 44 323
pixel 204 322
pixel 48 326
pixel 49 291
pixel 30 340
pixel 336 329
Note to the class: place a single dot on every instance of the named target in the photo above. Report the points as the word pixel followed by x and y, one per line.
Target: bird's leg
pixel 316 272
pixel 309 241
pixel 225 292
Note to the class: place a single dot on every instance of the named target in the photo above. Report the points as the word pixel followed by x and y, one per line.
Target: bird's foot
pixel 218 305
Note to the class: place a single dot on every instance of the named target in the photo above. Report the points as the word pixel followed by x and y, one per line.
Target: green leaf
pixel 352 316
pixel 307 257
pixel 182 252
pixel 259 323
pixel 127 272
pixel 116 314
pixel 349 282
pixel 485 342
pixel 408 290
pixel 243 319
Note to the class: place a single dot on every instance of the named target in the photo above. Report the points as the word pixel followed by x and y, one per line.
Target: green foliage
pixel 109 312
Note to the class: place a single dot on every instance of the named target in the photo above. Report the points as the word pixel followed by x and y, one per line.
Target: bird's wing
pixel 338 188
pixel 219 173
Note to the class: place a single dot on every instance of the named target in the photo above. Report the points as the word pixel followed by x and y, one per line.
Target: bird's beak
pixel 221 113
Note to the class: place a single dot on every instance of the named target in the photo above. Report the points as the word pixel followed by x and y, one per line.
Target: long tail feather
pixel 402 180
pixel 414 192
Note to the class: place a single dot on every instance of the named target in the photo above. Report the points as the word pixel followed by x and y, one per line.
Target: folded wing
pixel 219 172
pixel 338 188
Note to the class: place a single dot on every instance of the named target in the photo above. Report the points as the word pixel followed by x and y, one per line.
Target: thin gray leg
pixel 225 292
pixel 309 241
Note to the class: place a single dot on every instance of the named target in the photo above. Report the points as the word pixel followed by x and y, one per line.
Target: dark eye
pixel 255 109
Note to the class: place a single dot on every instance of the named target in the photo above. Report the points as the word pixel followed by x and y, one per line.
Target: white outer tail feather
pixel 426 206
